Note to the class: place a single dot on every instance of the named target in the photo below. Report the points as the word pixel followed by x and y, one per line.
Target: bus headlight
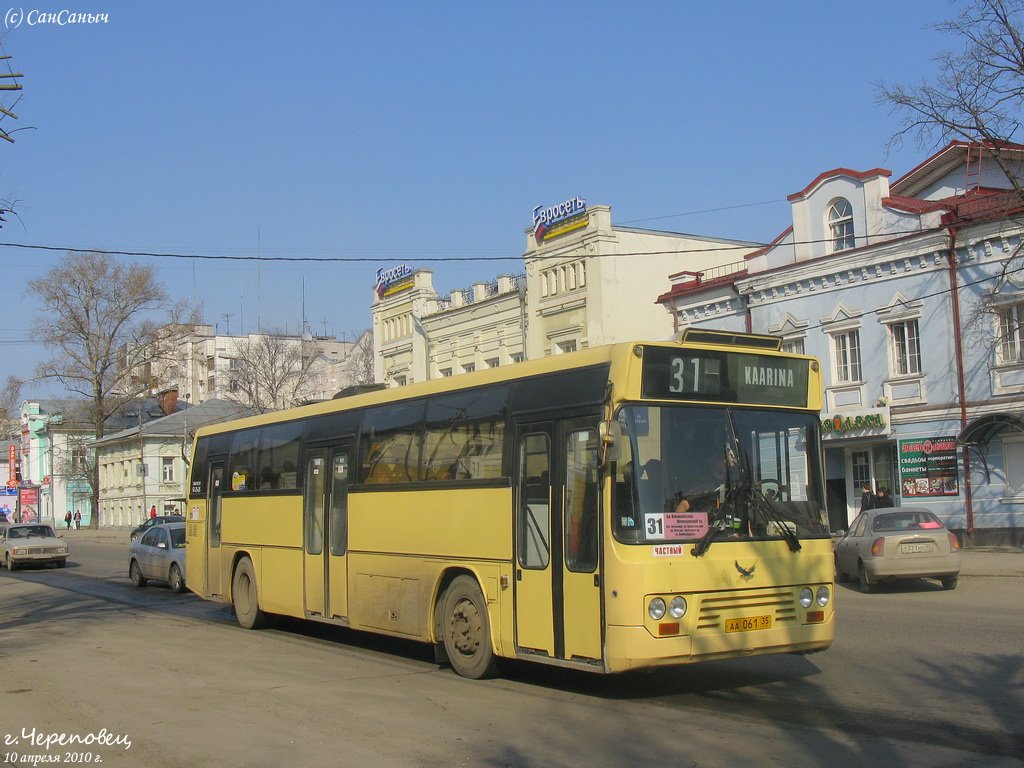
pixel 656 609
pixel 823 596
pixel 806 597
pixel 677 608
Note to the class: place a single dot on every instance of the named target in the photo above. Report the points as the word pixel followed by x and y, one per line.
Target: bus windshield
pixel 694 473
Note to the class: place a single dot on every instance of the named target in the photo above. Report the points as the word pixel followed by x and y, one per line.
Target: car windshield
pixel 905 520
pixel 177 538
pixel 691 473
pixel 29 532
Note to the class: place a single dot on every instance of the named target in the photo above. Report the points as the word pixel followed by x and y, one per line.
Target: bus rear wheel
pixel 245 597
pixel 467 632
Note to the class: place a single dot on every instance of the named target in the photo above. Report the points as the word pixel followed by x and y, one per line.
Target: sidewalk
pixel 975 561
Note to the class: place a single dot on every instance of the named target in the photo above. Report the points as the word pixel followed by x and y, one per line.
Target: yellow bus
pixel 616 508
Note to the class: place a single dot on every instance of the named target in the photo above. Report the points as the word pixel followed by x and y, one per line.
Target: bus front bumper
pixel 629 648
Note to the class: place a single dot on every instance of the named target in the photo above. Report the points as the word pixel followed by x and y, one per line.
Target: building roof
pixel 182 422
pixel 847 172
pixel 953 155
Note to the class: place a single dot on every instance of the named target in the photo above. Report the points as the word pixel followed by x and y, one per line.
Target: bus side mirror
pixel 611 437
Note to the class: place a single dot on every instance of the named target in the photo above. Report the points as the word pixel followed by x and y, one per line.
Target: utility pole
pixel 142 461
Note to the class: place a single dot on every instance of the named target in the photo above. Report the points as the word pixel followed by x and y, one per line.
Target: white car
pixel 895 543
pixel 31 544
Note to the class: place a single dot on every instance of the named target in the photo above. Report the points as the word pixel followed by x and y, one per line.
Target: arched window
pixel 840 224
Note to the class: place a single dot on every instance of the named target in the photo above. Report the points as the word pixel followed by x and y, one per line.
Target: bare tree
pixel 94 308
pixel 979 90
pixel 977 96
pixel 10 88
pixel 270 371
pixel 10 397
pixel 358 366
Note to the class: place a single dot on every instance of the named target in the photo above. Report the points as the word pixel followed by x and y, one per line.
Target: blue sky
pixel 401 132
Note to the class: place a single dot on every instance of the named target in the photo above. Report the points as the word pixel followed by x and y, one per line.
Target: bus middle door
pixel 325 532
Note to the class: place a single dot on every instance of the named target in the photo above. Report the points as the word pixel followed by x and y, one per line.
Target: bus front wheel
pixel 246 598
pixel 467 633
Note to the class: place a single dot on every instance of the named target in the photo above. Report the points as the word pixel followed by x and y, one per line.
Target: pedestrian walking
pixel 884 499
pixel 152 512
pixel 78 520
pixel 67 520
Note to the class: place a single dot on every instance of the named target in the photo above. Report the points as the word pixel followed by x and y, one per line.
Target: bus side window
pixel 534 524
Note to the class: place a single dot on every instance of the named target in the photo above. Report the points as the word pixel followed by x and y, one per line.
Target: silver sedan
pixel 897 543
pixel 159 554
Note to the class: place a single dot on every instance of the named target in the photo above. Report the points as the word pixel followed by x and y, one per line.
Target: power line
pixel 432 259
pixel 706 210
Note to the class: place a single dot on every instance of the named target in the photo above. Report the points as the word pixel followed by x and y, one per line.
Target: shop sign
pixel 393 280
pixel 839 425
pixel 555 220
pixel 929 467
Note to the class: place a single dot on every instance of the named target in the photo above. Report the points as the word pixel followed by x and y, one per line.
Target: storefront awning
pixel 983 429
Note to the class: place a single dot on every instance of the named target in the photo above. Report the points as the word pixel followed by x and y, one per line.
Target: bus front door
pixel 325 532
pixel 558 595
pixel 214 491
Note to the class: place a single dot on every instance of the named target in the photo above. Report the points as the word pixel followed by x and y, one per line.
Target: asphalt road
pixel 917 677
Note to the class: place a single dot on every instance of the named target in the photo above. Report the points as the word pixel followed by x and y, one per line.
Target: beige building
pixel 585 283
pixel 145 466
pixel 206 365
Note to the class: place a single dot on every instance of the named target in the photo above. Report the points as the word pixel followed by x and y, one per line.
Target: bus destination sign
pixel 724 377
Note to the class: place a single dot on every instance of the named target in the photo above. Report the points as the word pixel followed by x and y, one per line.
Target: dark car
pixel 138 530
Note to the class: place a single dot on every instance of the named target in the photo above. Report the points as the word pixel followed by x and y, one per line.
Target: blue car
pixel 159 554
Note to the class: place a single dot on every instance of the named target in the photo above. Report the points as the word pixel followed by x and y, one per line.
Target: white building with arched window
pixel 910 295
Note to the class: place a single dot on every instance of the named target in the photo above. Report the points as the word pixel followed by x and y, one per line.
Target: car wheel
pixel 865 585
pixel 840 576
pixel 61 563
pixel 467 632
pixel 135 574
pixel 11 565
pixel 948 582
pixel 245 597
pixel 174 578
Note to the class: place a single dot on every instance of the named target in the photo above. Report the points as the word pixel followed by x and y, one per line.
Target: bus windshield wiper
pixel 771 515
pixel 717 521
pixel 714 529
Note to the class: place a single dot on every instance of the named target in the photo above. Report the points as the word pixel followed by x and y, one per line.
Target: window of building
pixel 840 225
pixel 517 357
pixel 860 464
pixel 444 372
pixel 906 348
pixel 469 368
pixel 846 346
pixel 793 346
pixel 1013 452
pixel 1011 338
pixel 167 468
pixel 562 347
pixel 492 362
